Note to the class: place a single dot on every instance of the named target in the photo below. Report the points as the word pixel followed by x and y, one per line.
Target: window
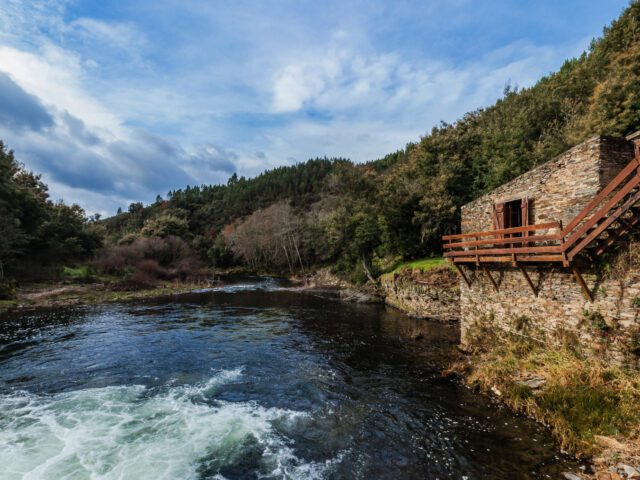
pixel 513 214
pixel 510 214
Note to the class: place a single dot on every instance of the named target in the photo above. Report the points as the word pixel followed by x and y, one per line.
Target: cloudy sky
pixel 116 101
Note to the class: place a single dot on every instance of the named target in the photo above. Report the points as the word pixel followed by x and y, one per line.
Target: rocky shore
pixel 433 294
pixel 60 295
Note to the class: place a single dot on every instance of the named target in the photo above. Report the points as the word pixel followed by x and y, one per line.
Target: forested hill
pixel 365 217
pixel 340 213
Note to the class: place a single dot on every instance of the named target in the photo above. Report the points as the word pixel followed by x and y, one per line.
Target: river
pixel 250 380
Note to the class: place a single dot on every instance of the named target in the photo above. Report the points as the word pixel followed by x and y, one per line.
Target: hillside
pixel 363 219
pixel 333 211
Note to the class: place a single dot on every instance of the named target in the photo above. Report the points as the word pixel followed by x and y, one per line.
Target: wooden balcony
pixel 611 215
pixel 601 226
pixel 533 243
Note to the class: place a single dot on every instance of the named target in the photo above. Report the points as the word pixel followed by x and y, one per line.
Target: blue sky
pixel 116 101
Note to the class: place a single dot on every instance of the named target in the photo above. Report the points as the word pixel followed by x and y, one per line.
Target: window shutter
pixel 525 211
pixel 498 216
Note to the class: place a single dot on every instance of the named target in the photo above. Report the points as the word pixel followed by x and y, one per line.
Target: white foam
pixel 131 432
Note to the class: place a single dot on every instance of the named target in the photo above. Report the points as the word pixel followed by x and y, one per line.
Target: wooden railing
pixel 519 244
pixel 607 207
pixel 549 242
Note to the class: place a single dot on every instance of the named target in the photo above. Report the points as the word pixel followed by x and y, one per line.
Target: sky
pixel 118 101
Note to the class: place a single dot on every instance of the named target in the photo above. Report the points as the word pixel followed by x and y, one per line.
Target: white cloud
pixel 122 35
pixel 56 77
pixel 379 85
pixel 142 104
pixel 90 155
pixel 297 84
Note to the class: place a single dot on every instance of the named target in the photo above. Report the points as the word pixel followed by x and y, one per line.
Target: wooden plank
pixel 583 284
pixel 626 171
pixel 528 228
pixel 493 282
pixel 620 232
pixel 565 260
pixel 462 274
pixel 603 226
pixel 482 260
pixel 541 258
pixel 505 251
pixel 620 194
pixel 508 259
pixel 529 282
pixel 499 241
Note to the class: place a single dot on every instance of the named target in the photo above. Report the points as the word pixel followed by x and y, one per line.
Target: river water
pixel 251 380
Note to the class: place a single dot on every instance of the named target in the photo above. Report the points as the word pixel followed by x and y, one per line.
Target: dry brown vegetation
pixel 147 260
pixel 270 238
pixel 590 404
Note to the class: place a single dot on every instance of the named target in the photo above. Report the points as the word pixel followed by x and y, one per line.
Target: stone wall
pixel 609 325
pixel 559 189
pixel 427 297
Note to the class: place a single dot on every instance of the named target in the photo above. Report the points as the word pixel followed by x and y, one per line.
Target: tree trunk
pixel 366 270
pixel 295 244
pixel 286 254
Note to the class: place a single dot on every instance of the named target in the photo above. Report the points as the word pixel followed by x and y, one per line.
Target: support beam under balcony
pixel 463 275
pixel 488 274
pixel 583 284
pixel 528 279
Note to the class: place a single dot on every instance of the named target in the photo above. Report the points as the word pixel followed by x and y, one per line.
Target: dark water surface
pixel 253 380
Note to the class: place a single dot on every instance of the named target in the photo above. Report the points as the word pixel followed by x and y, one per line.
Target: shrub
pixel 597 321
pixel 7 289
pixel 165 225
pixel 522 323
pixel 151 258
pixel 147 273
pixel 633 343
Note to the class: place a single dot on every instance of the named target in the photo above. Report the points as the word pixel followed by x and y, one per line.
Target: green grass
pixel 85 273
pixel 82 271
pixel 422 264
pixel 6 304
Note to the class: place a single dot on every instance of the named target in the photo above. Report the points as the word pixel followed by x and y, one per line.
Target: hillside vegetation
pixel 367 217
pixel 364 219
pixel 37 234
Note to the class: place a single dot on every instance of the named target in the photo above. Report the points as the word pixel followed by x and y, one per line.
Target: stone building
pixel 554 191
pixel 535 282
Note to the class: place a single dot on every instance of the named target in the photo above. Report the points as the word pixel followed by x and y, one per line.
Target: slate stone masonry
pixel 557 190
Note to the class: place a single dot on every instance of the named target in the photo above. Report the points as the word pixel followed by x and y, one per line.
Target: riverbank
pixel 65 294
pixel 72 291
pixel 591 407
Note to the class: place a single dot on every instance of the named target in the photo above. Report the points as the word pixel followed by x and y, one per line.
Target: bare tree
pixel 270 238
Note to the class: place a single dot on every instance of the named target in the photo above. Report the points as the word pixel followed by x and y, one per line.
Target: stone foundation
pixel 607 326
pixel 426 297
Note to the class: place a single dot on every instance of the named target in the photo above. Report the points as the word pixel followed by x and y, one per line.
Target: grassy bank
pixel 591 406
pixel 422 264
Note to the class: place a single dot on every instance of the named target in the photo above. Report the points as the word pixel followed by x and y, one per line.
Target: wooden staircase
pixel 601 226
pixel 607 219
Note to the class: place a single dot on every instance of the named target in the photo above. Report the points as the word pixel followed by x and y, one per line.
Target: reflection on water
pixel 250 380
